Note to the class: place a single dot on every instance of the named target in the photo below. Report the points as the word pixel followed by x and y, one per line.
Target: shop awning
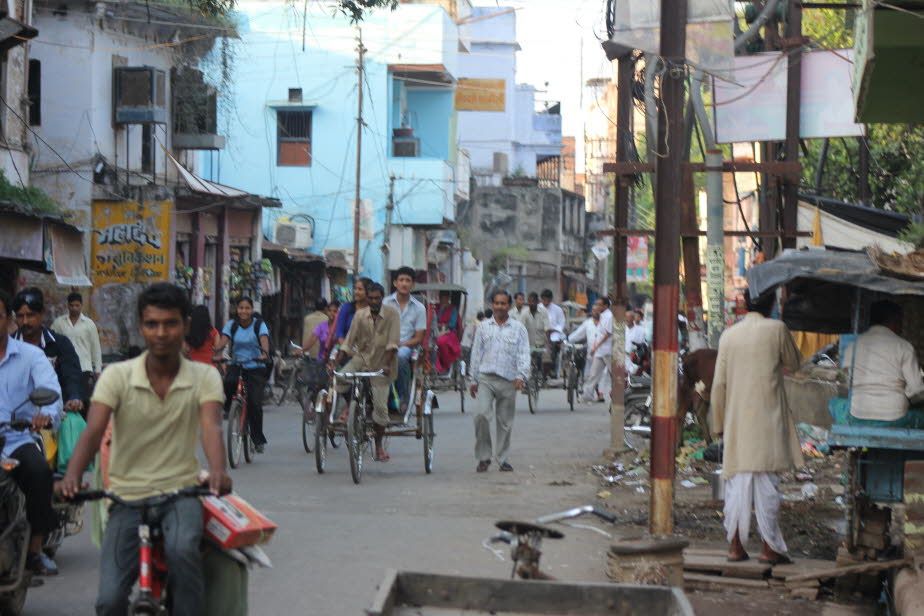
pixel 43 243
pixel 206 188
pixel 296 255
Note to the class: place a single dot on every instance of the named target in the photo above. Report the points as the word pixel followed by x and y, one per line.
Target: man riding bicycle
pixel 159 403
pixel 372 343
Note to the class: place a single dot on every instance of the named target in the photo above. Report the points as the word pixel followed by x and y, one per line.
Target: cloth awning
pixel 43 243
pixel 842 231
pixel 69 265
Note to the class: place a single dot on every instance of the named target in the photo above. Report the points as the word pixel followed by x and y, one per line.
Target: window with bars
pixel 293 138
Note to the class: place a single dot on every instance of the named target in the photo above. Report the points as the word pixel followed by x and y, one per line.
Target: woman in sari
pixel 447 343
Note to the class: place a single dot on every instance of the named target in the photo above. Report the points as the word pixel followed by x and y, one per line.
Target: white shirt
pixel 585 332
pixel 604 327
pixel 634 335
pixel 886 373
pixel 501 350
pixel 85 337
pixel 557 322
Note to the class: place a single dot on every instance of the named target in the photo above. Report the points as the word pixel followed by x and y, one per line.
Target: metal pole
pixel 715 246
pixel 793 100
pixel 692 279
pixel 667 266
pixel 359 147
pixel 389 208
pixel 624 78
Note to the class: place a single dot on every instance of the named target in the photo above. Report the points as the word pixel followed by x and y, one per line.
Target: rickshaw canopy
pixel 823 286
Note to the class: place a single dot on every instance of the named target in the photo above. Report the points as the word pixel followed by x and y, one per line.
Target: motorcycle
pixel 637 397
pixel 15 579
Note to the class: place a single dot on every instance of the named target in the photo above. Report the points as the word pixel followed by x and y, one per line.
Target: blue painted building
pixel 291 130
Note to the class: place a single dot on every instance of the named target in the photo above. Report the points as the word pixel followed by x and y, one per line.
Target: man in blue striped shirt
pixel 499 368
pixel 24 368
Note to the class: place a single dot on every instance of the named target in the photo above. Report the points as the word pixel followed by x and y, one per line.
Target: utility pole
pixel 389 208
pixel 715 246
pixel 359 148
pixel 793 101
pixel 667 266
pixel 624 78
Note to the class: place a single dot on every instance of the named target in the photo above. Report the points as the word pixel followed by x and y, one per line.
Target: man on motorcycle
pixel 159 403
pixel 29 307
pixel 24 368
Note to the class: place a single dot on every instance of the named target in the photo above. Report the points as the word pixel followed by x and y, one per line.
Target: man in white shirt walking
pixel 499 367
pixel 82 331
pixel 557 324
pixel 886 373
pixel 635 335
pixel 600 354
pixel 519 307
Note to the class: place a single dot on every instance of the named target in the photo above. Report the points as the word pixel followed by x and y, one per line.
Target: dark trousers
pixel 88 381
pixel 34 478
pixel 181 523
pixel 255 381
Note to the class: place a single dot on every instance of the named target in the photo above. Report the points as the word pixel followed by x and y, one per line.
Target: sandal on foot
pixel 779 559
pixel 382 456
pixel 483 466
pixel 737 559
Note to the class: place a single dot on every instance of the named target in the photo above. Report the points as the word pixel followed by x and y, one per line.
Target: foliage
pixel 30 197
pixel 913 234
pixel 356 9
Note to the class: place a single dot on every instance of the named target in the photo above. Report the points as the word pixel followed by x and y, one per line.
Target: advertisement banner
pixel 637 259
pixel 481 95
pixel 130 241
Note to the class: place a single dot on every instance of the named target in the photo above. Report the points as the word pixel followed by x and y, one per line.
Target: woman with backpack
pixel 249 338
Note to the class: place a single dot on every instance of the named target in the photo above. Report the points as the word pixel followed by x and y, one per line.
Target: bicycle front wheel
pixel 427 430
pixel 320 438
pixel 235 436
pixel 356 439
pixel 309 422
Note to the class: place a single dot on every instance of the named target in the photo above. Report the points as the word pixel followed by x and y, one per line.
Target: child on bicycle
pixel 159 403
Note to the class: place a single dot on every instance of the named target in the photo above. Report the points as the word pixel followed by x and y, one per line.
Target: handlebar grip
pixel 605 514
pixel 89 495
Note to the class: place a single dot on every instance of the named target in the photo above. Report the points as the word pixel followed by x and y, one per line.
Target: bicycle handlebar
pixel 90 495
pixel 576 512
pixel 18 426
pixel 358 375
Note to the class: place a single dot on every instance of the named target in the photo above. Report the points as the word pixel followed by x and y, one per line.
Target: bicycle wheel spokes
pixel 234 435
pixel 309 422
pixel 356 437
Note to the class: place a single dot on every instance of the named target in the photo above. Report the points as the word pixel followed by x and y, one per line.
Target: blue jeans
pixel 402 385
pixel 181 522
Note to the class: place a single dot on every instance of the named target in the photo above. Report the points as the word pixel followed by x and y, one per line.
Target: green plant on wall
pixel 30 197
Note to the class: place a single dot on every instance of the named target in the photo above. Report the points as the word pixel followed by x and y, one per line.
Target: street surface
pixel 336 539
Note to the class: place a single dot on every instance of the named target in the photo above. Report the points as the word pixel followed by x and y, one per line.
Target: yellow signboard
pixel 481 95
pixel 131 241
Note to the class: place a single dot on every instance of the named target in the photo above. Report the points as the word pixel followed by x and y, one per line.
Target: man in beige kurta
pixel 760 441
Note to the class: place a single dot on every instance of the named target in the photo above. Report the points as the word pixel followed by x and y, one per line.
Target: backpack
pixel 257 326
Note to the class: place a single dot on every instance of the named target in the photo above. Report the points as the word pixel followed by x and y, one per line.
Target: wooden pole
pixel 667 265
pixel 624 136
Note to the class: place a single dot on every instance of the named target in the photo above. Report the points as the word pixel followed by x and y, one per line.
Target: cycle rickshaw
pixel 446 323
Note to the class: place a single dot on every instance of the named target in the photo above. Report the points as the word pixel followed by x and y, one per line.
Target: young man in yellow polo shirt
pixel 159 403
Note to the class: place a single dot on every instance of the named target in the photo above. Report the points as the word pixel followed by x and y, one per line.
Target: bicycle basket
pixel 314 373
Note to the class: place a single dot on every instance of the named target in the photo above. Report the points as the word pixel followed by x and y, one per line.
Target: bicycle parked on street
pixel 238 439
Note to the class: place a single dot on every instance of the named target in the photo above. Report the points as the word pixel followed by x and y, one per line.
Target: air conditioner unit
pixel 339 257
pixel 405 147
pixel 294 234
pixel 140 94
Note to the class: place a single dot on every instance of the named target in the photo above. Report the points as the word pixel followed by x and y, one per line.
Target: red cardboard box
pixel 232 522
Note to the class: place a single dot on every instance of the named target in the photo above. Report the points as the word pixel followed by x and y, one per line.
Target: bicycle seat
pixel 517 527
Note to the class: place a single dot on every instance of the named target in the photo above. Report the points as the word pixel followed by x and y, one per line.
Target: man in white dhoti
pixel 760 441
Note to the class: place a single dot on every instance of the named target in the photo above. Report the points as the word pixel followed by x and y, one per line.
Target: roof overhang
pixel 423 74
pixel 201 190
pixel 14 33
pixel 295 255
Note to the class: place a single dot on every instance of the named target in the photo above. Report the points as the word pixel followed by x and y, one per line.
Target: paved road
pixel 336 539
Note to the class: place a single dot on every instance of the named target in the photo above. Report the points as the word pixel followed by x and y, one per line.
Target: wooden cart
pixel 407 593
